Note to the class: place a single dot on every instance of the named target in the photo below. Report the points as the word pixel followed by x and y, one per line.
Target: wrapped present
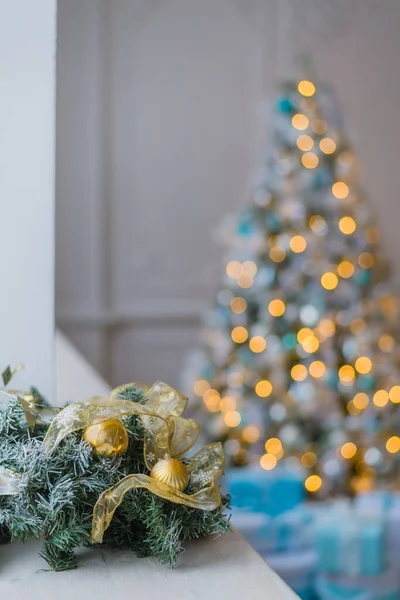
pixel 350 542
pixel 297 569
pixel 270 492
pixel 385 586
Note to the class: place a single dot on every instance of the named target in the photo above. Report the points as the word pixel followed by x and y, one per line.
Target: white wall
pixel 160 122
pixel 27 102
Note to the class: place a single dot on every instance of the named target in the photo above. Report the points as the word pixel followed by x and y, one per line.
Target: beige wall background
pixel 161 118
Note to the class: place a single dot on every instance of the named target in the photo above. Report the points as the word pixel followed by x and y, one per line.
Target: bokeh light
pixel 340 190
pixel 268 462
pixel 306 88
pixel 232 418
pixel 347 225
pixel 381 398
pixel 313 483
pixel 329 280
pixel 305 142
pixel 310 160
pixel 363 365
pixel 317 369
pixel 327 145
pixel 348 450
pixel 263 388
pixel 300 122
pixel 239 334
pixel 345 269
pixel 298 244
pixel 276 307
pixel 238 305
pixel 299 372
pixel 257 344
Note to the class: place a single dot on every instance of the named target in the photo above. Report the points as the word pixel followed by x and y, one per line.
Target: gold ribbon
pixel 167 433
pixel 10 482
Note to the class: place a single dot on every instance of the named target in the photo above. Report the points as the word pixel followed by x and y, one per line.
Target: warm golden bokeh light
pixel 308 460
pixel 227 403
pixel 234 269
pixel 346 374
pixel 250 268
pixel 306 88
pixel 346 159
pixel 298 244
pixel 394 394
pixel 310 344
pixel 310 160
pixel 232 418
pixel 299 372
pixel 329 280
pixel 347 225
pixel 257 344
pixel 251 434
pixel 239 334
pixel 357 326
pixel 348 450
pixel 263 388
pixel 268 462
pixel 317 369
pixel 277 254
pixel 381 398
pixel 304 333
pixel 273 446
pixel 327 145
pixel 393 444
pixel 386 342
pixel 361 400
pixel 305 142
pixel 345 269
pixel 340 190
pixel 300 122
pixel 363 365
pixel 352 409
pixel 200 386
pixel 327 328
pixel 318 126
pixel 211 399
pixel 317 223
pixel 313 483
pixel 245 281
pixel 276 307
pixel 366 260
pixel 238 305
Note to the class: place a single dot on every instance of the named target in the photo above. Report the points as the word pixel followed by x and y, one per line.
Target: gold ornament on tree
pixel 172 472
pixel 108 439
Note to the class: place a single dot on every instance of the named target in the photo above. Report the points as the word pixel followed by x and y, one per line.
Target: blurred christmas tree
pixel 300 360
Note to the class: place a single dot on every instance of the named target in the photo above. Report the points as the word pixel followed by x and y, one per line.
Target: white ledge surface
pixel 210 569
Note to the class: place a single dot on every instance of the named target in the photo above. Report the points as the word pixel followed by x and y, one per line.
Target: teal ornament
pixel 289 341
pixel 331 379
pixel 284 105
pixel 365 382
pixel 244 229
pixel 363 277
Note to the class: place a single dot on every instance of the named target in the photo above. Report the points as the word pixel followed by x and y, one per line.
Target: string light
pixel 310 160
pixel 346 374
pixel 394 394
pixel 318 126
pixel 298 244
pixel 345 159
pixel 245 281
pixel 257 344
pixel 313 483
pixel 381 398
pixel 361 400
pixel 276 307
pixel 273 446
pixel 277 254
pixel 308 460
pixel 211 399
pixel 268 462
pixel 238 305
pixel 304 333
pixel 250 268
pixel 340 190
pixel 327 145
pixel 300 122
pixel 347 225
pixel 386 342
pixel 327 328
pixel 298 372
pixel 352 409
pixel 317 223
pixel 366 260
pixel 345 269
pixel 239 335
pixel 363 365
pixel 200 386
pixel 310 344
pixel 305 142
pixel 348 450
pixel 393 444
pixel 232 418
pixel 263 388
pixel 357 326
pixel 227 403
pixel 251 434
pixel 317 369
pixel 233 269
pixel 329 281
pixel 306 88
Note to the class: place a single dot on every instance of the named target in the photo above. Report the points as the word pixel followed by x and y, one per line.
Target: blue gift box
pixel 385 586
pixel 270 492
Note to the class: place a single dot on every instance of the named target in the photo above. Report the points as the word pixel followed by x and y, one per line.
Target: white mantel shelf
pixel 210 569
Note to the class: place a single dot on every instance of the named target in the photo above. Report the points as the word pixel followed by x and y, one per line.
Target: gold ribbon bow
pixel 167 433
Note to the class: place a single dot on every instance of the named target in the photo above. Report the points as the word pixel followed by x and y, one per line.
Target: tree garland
pixel 52 494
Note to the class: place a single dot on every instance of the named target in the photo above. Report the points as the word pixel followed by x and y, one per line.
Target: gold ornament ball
pixel 172 472
pixel 108 439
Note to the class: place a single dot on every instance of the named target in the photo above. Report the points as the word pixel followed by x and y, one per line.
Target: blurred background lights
pixel 394 394
pixel 345 269
pixel 238 305
pixel 263 388
pixel 303 333
pixel 393 444
pixel 348 450
pixel 308 460
pixel 305 142
pixel 276 307
pixel 310 344
pixel 366 260
pixel 227 403
pixel 313 483
pixel 298 244
pixel 346 374
pixel 361 400
pixel 277 254
pixel 299 372
pixel 233 269
pixel 251 434
pixel 300 122
pixel 268 462
pixel 363 365
pixel 329 280
pixel 317 369
pixel 250 268
pixel 317 224
pixel 340 190
pixel 200 386
pixel 239 335
pixel 381 398
pixel 273 446
pixel 327 328
pixel 257 344
pixel 245 281
pixel 306 88
pixel 327 145
pixel 310 160
pixel 232 418
pixel 347 225
pixel 345 159
pixel 318 126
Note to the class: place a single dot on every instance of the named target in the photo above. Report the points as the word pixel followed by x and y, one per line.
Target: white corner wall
pixel 27 123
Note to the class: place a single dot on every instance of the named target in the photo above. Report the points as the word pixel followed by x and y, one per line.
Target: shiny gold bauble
pixel 108 439
pixel 171 472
